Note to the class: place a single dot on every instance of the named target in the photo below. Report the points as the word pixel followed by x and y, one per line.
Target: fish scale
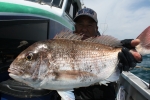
pixel 82 53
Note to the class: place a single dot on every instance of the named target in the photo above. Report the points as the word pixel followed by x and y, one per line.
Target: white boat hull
pixel 134 87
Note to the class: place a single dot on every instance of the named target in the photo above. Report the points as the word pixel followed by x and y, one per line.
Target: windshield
pixel 56 3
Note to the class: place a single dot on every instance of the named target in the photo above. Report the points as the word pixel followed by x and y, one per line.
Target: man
pixel 86 24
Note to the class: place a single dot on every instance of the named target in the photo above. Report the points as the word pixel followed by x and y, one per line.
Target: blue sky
pixel 123 19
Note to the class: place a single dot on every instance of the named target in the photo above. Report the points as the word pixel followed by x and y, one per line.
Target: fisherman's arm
pixel 129 57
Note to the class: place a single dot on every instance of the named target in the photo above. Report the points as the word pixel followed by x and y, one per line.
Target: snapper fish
pixel 67 62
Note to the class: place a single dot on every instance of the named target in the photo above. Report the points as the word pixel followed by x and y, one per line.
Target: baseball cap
pixel 87 12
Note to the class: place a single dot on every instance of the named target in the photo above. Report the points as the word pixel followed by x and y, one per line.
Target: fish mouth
pixel 15 71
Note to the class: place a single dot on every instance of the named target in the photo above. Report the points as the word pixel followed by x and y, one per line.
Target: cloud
pixel 121 18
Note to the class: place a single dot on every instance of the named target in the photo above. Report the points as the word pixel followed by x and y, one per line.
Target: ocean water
pixel 143 69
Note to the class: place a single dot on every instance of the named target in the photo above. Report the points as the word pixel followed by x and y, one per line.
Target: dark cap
pixel 87 12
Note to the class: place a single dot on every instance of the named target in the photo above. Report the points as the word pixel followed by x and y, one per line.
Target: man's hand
pixel 128 57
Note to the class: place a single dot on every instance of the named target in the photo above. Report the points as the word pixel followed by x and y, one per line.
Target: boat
pixel 23 22
pixel 38 15
pixel 132 87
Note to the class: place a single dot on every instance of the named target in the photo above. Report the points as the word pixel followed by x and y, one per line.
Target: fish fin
pixel 68 35
pixel 144 47
pixel 103 39
pixel 112 78
pixel 104 82
pixel 67 94
pixel 106 40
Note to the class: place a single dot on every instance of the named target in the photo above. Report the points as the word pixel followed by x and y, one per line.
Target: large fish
pixel 67 62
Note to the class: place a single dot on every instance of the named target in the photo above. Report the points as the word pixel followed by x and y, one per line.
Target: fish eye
pixel 29 56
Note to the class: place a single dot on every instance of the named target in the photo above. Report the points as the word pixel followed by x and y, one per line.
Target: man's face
pixel 87 26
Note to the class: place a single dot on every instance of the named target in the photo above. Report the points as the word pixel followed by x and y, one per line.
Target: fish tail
pixel 144 47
